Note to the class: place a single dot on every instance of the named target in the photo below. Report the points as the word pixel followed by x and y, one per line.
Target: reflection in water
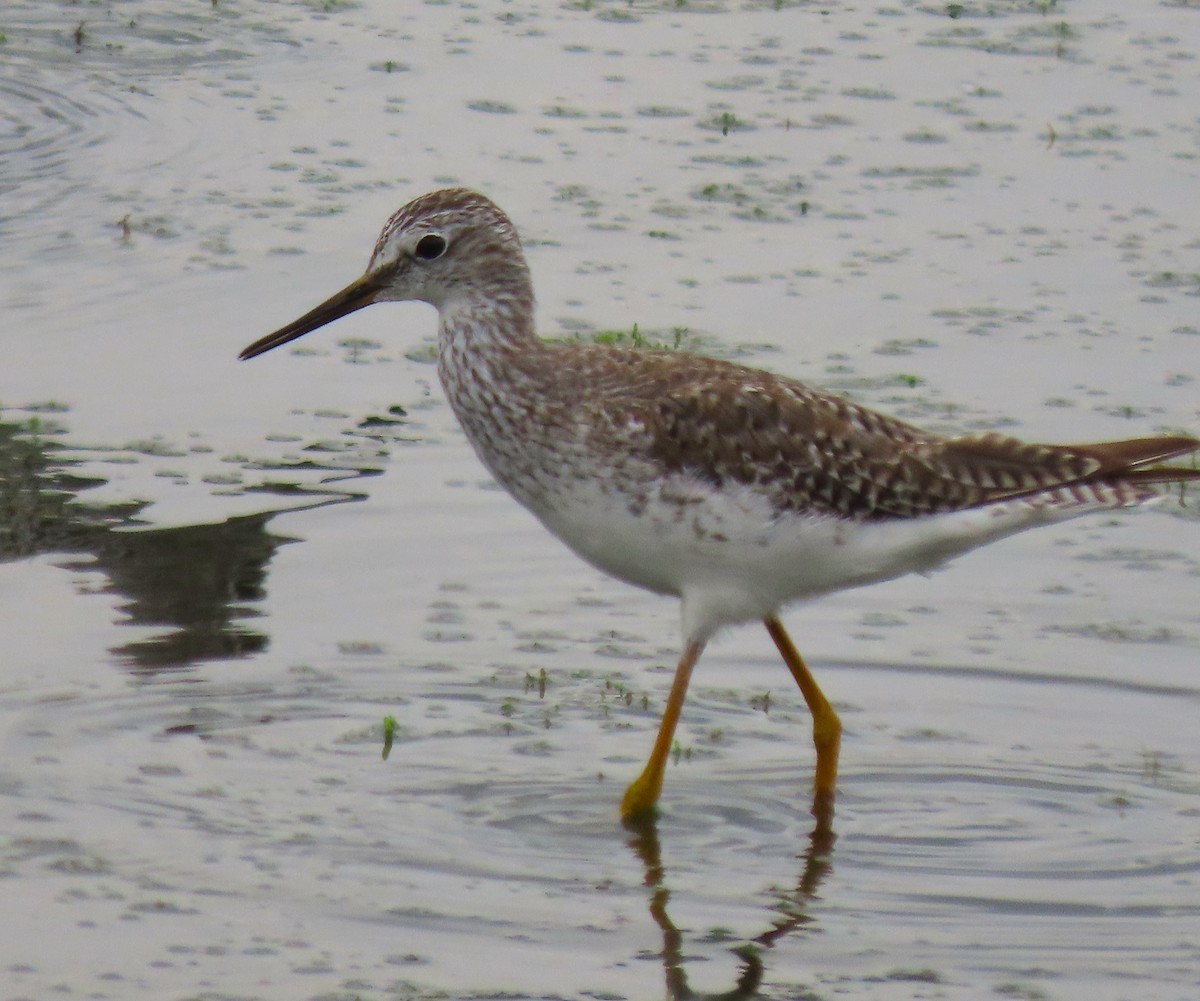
pixel 790 908
pixel 38 508
pixel 198 581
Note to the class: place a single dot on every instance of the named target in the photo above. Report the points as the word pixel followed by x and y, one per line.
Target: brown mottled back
pixel 809 450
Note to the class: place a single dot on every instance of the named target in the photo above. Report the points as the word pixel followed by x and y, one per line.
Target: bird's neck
pixel 492 312
pixel 484 336
pixel 482 325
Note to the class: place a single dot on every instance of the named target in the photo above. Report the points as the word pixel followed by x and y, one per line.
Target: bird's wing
pixel 809 450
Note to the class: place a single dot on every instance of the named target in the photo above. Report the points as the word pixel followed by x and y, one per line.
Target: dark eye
pixel 430 247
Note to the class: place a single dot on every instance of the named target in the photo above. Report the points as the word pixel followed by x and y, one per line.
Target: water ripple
pixel 41 132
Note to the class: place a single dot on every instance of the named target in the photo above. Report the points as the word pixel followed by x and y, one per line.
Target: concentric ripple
pixel 42 132
pixel 82 96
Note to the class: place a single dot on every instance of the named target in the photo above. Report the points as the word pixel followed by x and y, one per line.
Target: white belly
pixel 731 559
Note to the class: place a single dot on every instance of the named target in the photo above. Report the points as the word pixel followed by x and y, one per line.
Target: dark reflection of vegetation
pixel 38 508
pixel 199 582
pixel 790 908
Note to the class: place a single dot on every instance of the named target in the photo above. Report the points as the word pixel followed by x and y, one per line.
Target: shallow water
pixel 218 578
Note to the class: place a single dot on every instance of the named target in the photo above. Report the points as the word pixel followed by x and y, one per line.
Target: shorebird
pixel 735 490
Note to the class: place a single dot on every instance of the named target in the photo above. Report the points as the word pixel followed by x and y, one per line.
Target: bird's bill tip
pixel 354 296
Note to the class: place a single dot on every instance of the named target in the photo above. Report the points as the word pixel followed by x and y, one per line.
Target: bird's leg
pixel 643 792
pixel 827 728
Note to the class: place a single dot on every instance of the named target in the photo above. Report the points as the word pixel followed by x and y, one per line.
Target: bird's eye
pixel 430 247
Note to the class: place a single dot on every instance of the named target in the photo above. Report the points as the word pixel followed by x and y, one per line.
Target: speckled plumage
pixel 734 489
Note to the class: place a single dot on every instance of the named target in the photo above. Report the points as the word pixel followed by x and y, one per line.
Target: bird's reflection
pixel 790 909
pixel 197 584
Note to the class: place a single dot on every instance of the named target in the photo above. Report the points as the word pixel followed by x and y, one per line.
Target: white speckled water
pixel 980 221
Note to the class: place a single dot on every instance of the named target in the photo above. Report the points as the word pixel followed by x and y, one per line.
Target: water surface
pixel 218 578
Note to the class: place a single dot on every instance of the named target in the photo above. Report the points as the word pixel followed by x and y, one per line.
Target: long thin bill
pixel 353 297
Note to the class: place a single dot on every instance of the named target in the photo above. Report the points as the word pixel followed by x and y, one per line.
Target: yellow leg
pixel 643 792
pixel 827 728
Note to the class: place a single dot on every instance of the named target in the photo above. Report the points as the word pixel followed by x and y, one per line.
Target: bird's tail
pixel 1126 474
